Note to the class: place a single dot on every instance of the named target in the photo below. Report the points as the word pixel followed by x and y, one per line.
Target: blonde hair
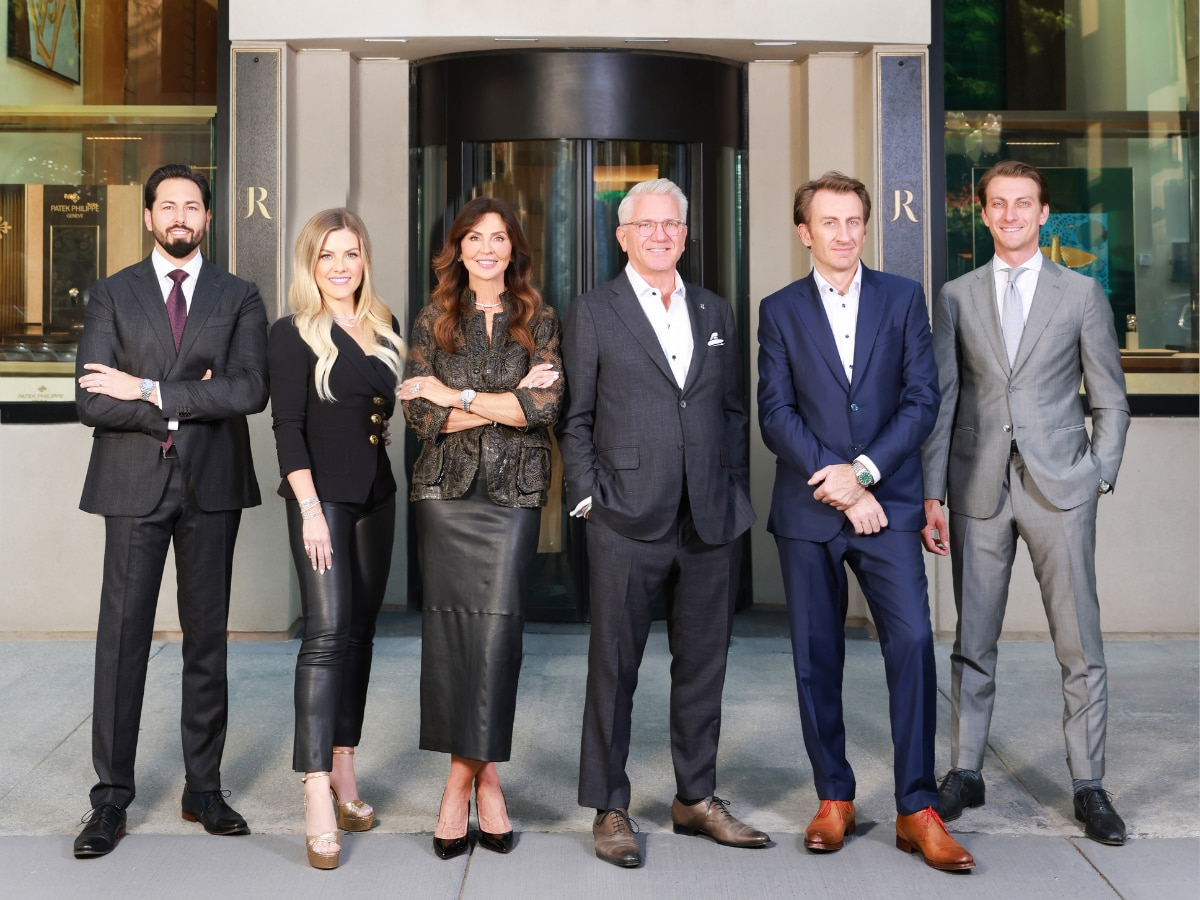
pixel 313 319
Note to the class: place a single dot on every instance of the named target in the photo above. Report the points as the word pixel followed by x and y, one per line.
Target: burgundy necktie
pixel 177 313
pixel 177 306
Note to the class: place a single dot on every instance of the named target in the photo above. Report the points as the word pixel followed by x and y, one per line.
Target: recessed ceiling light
pixel 774 60
pixel 837 53
pixel 321 50
pixel 774 43
pixel 386 40
pixel 647 40
pixel 517 40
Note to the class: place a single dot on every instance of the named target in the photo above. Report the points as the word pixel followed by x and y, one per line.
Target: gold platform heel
pixel 317 859
pixel 351 815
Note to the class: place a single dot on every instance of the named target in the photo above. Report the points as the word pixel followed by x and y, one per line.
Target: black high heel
pixel 498 843
pixel 448 848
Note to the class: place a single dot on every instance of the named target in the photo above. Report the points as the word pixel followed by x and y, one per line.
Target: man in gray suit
pixel 1013 339
pixel 654 447
pixel 172 359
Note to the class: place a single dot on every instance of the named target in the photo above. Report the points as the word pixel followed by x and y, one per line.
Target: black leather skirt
pixel 475 559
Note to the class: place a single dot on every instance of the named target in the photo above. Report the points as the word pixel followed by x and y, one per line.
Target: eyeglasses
pixel 646 227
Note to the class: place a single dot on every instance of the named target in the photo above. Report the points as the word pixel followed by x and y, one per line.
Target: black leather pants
pixel 339 609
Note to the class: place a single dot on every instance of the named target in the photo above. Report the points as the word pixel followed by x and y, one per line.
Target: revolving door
pixel 562 136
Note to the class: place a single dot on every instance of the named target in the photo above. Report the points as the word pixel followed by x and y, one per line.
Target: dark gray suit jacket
pixel 630 433
pixel 126 326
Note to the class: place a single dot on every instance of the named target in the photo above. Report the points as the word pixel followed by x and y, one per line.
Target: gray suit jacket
pixel 1068 335
pixel 631 434
pixel 126 326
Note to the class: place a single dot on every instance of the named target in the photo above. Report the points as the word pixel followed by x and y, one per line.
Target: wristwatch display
pixel 466 397
pixel 147 387
pixel 862 473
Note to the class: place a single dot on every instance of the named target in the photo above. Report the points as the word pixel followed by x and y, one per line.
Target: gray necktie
pixel 1012 318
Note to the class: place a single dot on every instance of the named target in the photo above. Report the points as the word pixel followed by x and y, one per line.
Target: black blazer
pixel 126 326
pixel 631 434
pixel 340 441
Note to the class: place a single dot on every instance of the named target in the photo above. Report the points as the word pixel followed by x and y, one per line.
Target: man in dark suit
pixel 1013 340
pixel 654 447
pixel 847 393
pixel 171 361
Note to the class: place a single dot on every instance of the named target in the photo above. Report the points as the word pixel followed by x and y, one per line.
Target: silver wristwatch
pixel 862 473
pixel 466 397
pixel 147 387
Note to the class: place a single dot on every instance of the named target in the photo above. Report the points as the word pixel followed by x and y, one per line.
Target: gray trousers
pixel 1062 546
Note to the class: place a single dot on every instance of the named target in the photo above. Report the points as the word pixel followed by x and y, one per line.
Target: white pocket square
pixel 715 341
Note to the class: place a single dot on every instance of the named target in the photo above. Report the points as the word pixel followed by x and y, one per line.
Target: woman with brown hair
pixel 334 364
pixel 482 390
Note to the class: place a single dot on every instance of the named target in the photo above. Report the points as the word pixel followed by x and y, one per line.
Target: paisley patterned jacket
pixel 514 461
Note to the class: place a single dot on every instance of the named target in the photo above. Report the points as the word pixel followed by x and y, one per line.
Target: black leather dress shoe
pixel 959 790
pixel 210 810
pixel 104 825
pixel 1093 807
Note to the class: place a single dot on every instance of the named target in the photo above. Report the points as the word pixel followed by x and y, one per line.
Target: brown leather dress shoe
pixel 711 817
pixel 924 832
pixel 613 834
pixel 833 821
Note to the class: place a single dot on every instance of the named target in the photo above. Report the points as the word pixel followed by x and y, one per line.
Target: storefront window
pixel 84 119
pixel 1101 95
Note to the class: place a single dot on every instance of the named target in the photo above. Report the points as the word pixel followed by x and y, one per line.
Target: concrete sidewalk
pixel 1025 840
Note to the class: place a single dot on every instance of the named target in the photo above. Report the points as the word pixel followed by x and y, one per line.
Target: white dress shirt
pixel 842 312
pixel 671 324
pixel 163 267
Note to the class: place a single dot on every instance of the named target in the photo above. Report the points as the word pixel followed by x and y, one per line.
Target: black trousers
pixel 135 553
pixel 626 576
pixel 340 607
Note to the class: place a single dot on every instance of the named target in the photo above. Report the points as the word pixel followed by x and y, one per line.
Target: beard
pixel 179 249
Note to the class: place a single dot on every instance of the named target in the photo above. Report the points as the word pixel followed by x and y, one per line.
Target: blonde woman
pixel 334 365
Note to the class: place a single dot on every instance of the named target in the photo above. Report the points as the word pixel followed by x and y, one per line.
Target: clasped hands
pixel 838 486
pixel 102 379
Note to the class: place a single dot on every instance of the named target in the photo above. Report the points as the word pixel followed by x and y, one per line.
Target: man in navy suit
pixel 847 394
pixel 172 359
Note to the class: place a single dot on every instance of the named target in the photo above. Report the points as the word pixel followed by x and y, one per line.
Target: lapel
pixel 1046 298
pixel 701 315
pixel 871 301
pixel 149 296
pixel 349 350
pixel 625 305
pixel 812 316
pixel 987 312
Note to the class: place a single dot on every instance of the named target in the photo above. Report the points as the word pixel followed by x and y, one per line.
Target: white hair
pixel 653 186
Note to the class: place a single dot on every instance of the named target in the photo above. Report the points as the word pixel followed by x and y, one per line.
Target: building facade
pixel 403 110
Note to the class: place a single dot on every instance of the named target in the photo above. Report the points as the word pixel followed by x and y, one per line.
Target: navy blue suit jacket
pixel 811 416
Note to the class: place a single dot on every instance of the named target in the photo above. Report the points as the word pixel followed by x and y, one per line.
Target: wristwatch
pixel 862 473
pixel 147 387
pixel 1105 487
pixel 466 397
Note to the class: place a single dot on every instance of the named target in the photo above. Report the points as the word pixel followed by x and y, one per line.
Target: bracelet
pixel 305 504
pixel 312 513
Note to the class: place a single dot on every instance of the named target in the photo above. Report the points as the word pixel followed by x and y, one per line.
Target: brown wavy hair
pixel 452 278
pixel 831 181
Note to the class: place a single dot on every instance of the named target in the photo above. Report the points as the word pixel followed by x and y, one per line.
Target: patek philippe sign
pixel 73 252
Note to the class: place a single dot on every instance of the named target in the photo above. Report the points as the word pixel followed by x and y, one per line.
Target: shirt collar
pixel 164 266
pixel 1033 264
pixel 641 287
pixel 824 287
